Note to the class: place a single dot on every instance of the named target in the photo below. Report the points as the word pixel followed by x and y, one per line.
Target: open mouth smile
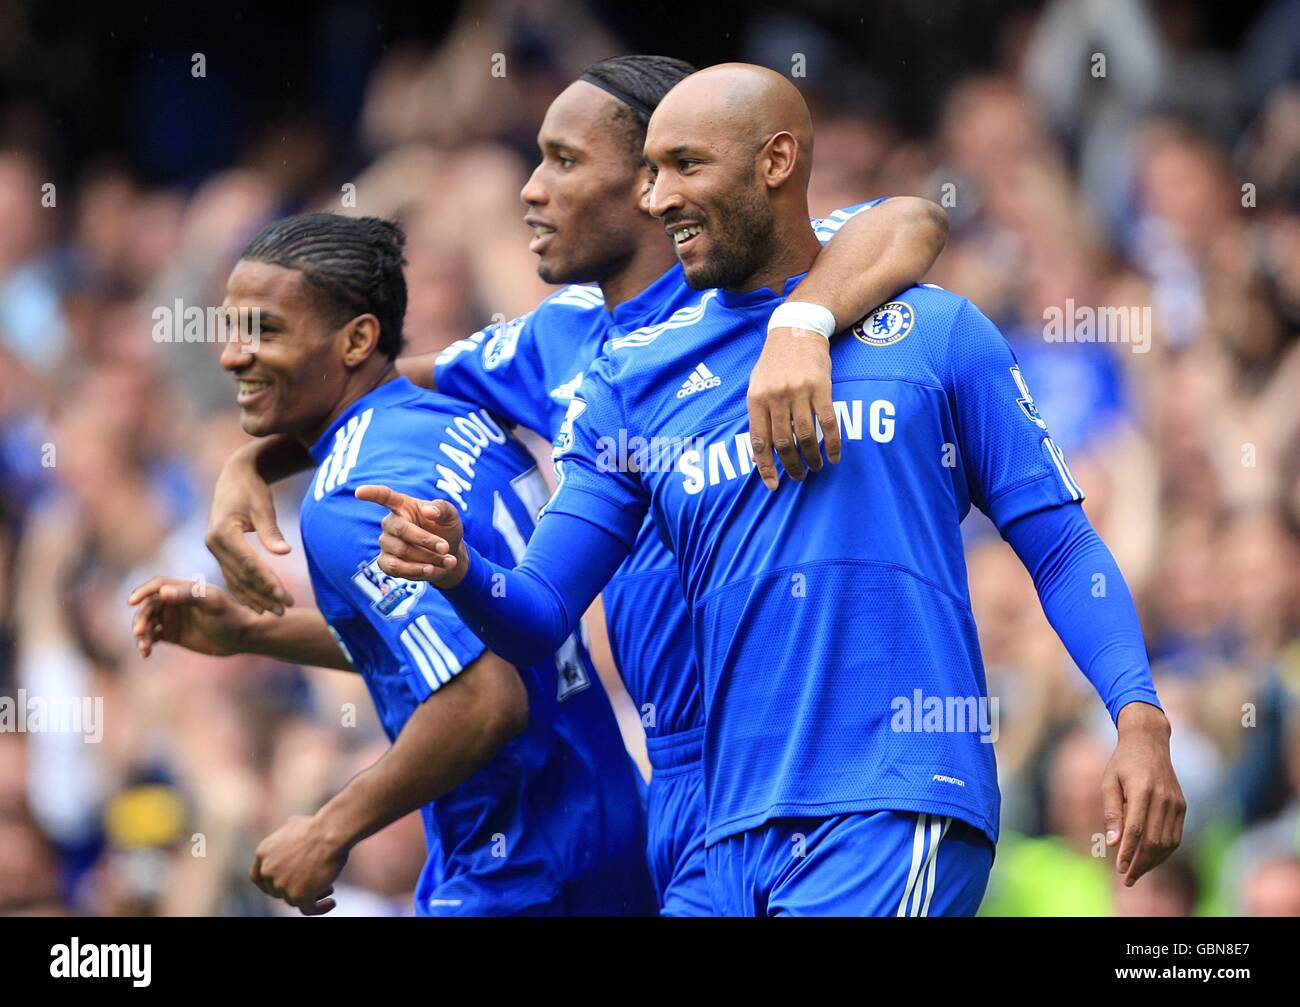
pixel 250 389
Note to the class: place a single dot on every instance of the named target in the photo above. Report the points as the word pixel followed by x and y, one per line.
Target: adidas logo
pixel 701 379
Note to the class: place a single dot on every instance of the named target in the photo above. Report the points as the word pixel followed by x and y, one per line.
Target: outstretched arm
pixel 875 254
pixel 1088 604
pixel 524 613
pixel 204 619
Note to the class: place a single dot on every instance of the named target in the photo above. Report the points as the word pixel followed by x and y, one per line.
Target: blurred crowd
pixel 1169 180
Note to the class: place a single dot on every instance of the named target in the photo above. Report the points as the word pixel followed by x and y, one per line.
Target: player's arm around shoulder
pixel 500 367
pixel 242 502
pixel 872 253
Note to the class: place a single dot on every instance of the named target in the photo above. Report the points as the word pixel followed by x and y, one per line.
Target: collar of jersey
pixel 635 309
pixel 748 298
pixel 390 393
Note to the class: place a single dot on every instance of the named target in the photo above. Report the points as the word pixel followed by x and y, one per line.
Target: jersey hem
pixel 796 809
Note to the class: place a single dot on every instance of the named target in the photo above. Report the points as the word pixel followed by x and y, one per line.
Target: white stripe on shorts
pixel 924 865
pixel 918 847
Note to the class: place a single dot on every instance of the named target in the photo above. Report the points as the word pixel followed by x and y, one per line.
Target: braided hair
pixel 644 79
pixel 353 266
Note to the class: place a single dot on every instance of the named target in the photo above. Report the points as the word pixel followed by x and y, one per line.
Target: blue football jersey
pixel 832 623
pixel 553 822
pixel 526 371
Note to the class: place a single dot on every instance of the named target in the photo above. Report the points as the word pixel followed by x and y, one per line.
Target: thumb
pixel 440 514
pixel 268 532
pixel 1112 816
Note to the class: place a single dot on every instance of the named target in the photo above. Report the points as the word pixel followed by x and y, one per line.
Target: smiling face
pixel 297 377
pixel 708 195
pixel 584 198
pixel 730 148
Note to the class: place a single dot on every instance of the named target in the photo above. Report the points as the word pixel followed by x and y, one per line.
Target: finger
pixel 398 548
pixel 824 410
pixel 760 438
pixel 259 582
pixel 166 589
pixel 268 531
pixel 783 441
pixel 249 579
pixel 141 626
pixel 1180 814
pixel 238 564
pixel 1164 839
pixel 805 435
pixel 318 906
pixel 146 589
pixel 140 617
pixel 383 496
pixel 271 888
pixel 181 594
pixel 1150 851
pixel 413 571
pixel 150 630
pixel 1112 814
pixel 1170 835
pixel 403 530
pixel 1137 800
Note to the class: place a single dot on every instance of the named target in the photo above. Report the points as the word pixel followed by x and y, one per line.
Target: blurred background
pixel 128 179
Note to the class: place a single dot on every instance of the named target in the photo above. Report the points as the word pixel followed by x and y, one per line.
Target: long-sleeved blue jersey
pixel 527 371
pixel 832 624
pixel 553 822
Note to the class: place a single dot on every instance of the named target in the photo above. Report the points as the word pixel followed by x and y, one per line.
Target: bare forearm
pixel 876 254
pixel 450 737
pixel 300 636
pixel 418 369
pixel 274 458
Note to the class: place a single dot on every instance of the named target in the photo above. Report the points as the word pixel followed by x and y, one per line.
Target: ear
pixel 645 186
pixel 778 159
pixel 360 339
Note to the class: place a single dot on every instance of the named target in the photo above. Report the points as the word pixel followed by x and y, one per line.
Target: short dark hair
pixel 646 79
pixel 352 264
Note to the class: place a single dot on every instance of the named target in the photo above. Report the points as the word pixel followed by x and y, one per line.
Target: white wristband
pixel 802 315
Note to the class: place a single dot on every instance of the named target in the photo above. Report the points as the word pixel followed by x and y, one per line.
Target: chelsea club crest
pixel 886 325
